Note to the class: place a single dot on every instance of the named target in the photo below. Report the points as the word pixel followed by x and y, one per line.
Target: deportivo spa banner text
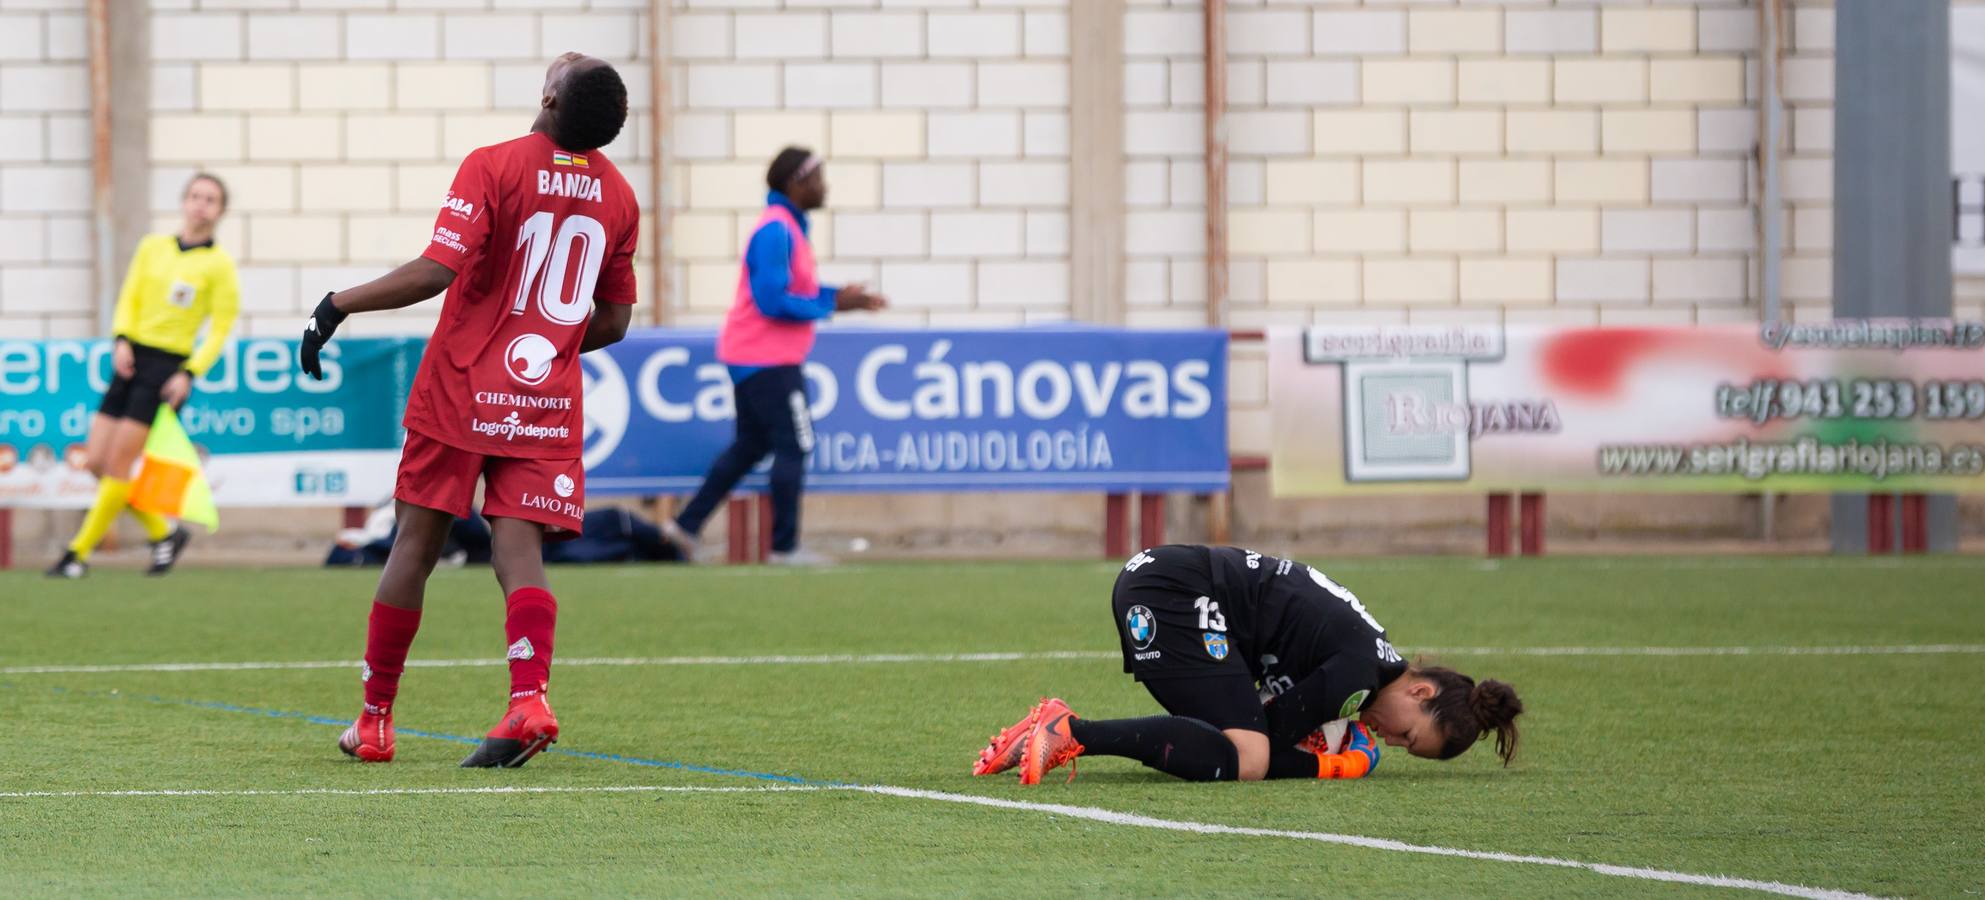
pixel 271 436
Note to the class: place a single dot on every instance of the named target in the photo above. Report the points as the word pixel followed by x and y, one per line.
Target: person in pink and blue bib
pixel 764 342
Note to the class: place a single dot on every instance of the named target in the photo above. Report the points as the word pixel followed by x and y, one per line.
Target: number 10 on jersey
pixel 541 245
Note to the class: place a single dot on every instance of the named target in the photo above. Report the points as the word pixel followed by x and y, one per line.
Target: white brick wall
pixel 944 126
pixel 1562 160
pixel 1164 142
pixel 339 127
pixel 1579 160
pixel 45 196
pixel 1807 282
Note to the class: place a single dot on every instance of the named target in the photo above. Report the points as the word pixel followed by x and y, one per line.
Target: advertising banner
pixel 1037 409
pixel 1837 406
pixel 268 435
pixel 1041 409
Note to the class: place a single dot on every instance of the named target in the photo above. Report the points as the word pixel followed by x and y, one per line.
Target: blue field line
pixel 456 738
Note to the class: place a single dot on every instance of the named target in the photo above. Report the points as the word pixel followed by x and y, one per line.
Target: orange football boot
pixel 1003 750
pixel 1049 745
pixel 527 728
pixel 370 739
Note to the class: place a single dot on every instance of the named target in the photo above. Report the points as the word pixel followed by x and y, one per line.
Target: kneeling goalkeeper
pixel 1252 656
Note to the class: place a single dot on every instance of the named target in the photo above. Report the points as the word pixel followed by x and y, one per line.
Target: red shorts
pixel 550 492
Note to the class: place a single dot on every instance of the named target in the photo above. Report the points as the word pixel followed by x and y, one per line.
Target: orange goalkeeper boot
pixel 1049 745
pixel 1003 749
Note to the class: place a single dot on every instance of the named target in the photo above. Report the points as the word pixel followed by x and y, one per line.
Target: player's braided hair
pixel 1465 711
pixel 592 107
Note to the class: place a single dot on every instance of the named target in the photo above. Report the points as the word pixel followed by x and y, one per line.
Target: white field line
pixel 1112 817
pixel 393 792
pixel 1841 650
pixel 1394 564
pixel 1089 813
pixel 887 658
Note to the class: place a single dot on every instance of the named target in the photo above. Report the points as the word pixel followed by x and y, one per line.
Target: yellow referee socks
pixel 156 526
pixel 111 493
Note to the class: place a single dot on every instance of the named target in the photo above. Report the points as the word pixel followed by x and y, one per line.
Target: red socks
pixel 532 614
pixel 389 633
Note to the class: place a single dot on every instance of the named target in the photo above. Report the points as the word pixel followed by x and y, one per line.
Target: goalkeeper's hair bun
pixel 1466 711
pixel 1496 708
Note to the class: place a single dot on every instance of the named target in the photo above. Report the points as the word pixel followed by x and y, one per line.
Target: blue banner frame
pixel 1067 409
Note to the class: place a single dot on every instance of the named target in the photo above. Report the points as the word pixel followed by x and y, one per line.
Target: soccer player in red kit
pixel 534 245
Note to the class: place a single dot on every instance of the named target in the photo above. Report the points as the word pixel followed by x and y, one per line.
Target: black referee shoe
pixel 68 567
pixel 166 550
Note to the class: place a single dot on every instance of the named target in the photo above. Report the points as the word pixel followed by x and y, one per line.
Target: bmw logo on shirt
pixel 1143 626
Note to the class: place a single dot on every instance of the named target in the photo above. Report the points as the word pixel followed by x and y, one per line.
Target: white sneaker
pixel 799 557
pixel 684 542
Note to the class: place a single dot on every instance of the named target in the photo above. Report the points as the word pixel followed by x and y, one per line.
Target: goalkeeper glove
pixel 1358 759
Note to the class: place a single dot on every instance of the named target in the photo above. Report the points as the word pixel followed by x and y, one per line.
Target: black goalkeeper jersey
pixel 1310 645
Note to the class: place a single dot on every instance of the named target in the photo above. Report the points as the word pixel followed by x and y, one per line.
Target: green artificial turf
pixel 1855 771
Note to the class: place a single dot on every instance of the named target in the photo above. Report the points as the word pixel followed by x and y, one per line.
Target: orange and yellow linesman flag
pixel 170 482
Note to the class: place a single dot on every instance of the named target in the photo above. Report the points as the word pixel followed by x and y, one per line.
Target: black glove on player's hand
pixel 324 322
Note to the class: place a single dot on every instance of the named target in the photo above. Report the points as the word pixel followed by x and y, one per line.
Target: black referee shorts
pixel 137 398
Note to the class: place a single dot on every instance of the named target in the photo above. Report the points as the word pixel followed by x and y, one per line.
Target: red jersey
pixel 534 234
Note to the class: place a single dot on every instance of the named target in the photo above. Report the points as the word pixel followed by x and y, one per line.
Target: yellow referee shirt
pixel 170 292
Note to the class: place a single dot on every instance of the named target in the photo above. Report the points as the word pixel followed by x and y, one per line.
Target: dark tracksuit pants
pixel 771 418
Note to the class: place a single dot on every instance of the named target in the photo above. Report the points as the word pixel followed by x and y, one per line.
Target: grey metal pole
pixel 1891 178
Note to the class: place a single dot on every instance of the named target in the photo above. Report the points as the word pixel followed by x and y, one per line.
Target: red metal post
pixel 1915 523
pixel 764 510
pixel 1530 527
pixel 1498 525
pixel 1151 519
pixel 6 538
pixel 1881 523
pixel 1116 526
pixel 738 511
pixel 104 284
pixel 1214 31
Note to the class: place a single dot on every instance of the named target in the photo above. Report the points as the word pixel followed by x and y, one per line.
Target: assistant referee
pixel 177 284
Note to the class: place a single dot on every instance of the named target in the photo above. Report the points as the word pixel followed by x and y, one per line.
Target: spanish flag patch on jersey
pixel 562 158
